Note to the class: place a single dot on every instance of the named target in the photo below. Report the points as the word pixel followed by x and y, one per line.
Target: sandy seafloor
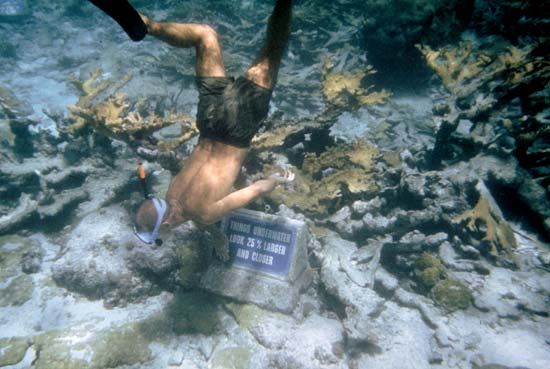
pixel 53 48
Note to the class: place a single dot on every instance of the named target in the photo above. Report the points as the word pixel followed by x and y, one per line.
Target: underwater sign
pixel 268 261
pixel 259 245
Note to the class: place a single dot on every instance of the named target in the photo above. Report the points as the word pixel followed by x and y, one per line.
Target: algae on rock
pixel 193 312
pixel 192 261
pixel 430 270
pixel 451 295
pixel 55 351
pixel 12 249
pixel 249 316
pixel 19 286
pixel 124 346
pixel 17 292
pixel 110 348
pixel 12 350
pixel 231 358
pixel 446 292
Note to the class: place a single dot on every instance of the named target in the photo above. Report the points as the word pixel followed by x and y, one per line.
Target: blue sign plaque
pixel 259 245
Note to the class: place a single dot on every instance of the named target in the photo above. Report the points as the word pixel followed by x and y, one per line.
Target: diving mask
pixel 152 237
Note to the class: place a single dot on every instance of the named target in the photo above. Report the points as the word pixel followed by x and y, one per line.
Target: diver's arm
pixel 238 199
pixel 245 196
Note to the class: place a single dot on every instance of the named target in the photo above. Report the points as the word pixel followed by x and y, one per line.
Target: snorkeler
pixel 230 112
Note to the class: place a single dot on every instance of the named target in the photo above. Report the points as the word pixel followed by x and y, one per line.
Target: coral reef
pixel 497 103
pixel 42 188
pixel 108 111
pixel 345 89
pixel 497 233
pixel 466 69
pixel 456 66
pixel 276 137
pixel 394 26
pixel 336 175
pixel 512 19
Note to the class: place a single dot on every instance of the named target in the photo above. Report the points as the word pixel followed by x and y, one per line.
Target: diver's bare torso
pixel 207 177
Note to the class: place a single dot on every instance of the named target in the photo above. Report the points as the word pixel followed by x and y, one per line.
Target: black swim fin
pixel 125 15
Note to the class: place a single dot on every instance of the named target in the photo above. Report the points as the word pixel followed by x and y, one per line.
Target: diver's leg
pixel 200 36
pixel 264 69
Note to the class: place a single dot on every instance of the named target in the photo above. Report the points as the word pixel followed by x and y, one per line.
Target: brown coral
pixel 342 88
pixel 276 137
pixel 497 233
pixel 325 179
pixel 465 70
pixel 117 117
pixel 456 66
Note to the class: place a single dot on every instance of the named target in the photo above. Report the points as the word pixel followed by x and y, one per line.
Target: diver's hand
pixel 286 177
pixel 269 184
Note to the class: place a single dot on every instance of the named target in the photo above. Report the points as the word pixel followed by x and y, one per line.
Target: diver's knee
pixel 261 74
pixel 209 37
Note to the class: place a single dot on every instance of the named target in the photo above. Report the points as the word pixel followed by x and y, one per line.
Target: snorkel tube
pixel 160 207
pixel 142 181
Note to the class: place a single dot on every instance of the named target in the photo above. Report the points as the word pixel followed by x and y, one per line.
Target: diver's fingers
pixel 286 176
pixel 289 176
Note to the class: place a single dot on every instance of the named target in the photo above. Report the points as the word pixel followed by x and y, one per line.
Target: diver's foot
pixel 146 21
pixel 125 15
pixel 153 28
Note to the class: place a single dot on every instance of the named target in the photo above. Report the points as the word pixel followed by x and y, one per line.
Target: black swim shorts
pixel 231 110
